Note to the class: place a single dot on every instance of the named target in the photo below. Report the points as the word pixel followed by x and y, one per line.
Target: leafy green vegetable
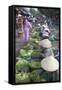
pixel 21 63
pixel 35 53
pixel 34 34
pixel 35 77
pixel 35 64
pixel 25 53
pixel 22 77
pixel 29 46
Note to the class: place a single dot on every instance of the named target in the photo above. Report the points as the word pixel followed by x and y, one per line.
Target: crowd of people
pixel 26 22
pixel 24 25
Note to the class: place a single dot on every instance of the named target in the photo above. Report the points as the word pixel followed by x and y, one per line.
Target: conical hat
pixel 50 64
pixel 45 43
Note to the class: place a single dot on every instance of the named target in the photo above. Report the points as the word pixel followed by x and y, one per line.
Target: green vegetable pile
pixel 22 77
pixel 35 77
pixel 28 61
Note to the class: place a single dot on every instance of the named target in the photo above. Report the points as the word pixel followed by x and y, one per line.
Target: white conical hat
pixel 45 43
pixel 50 64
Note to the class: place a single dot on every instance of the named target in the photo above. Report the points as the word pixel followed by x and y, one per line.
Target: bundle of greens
pixel 34 64
pixel 22 77
pixel 21 63
pixel 35 77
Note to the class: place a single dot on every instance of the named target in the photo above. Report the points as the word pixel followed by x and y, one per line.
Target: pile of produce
pixel 28 63
pixel 35 77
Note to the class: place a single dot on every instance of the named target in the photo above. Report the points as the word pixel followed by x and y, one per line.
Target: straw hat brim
pixel 45 43
pixel 50 64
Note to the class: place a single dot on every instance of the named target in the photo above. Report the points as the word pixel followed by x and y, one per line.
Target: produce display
pixel 28 62
pixel 36 57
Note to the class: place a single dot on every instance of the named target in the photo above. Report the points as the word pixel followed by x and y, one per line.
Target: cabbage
pixel 34 34
pixel 35 77
pixel 36 53
pixel 21 63
pixel 25 52
pixel 35 64
pixel 22 77
pixel 29 46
